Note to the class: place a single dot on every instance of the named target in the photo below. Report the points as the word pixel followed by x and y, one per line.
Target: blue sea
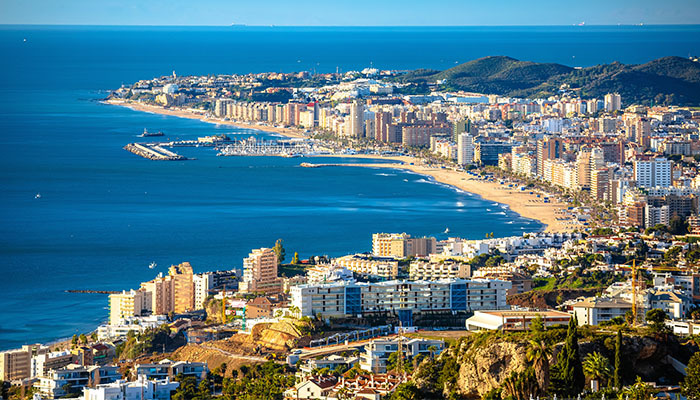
pixel 104 214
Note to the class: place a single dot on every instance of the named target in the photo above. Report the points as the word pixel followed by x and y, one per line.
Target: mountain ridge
pixel 667 80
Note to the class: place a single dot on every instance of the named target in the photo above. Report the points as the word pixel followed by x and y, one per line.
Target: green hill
pixel 668 80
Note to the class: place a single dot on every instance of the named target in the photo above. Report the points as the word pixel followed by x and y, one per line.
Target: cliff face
pixel 485 368
pixel 485 360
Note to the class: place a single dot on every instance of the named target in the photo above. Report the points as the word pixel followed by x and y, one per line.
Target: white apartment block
pixel 140 389
pixel 653 173
pixel 401 297
pixel 202 285
pixel 374 359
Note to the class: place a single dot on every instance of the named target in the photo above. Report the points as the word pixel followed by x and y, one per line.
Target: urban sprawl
pixel 603 302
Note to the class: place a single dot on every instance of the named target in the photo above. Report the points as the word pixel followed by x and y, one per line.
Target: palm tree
pixel 432 349
pixel 596 367
pixel 538 354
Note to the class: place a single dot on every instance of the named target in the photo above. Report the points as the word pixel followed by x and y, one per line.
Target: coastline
pixel 525 204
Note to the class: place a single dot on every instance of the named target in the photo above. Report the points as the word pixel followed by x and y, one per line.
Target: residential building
pixel 125 304
pixel 260 273
pixel 432 271
pixel 74 378
pixel 140 389
pixel 42 363
pixel 465 149
pixel 653 172
pixel 183 287
pixel 403 298
pixel 170 369
pixel 16 364
pixel 401 245
pixel 203 283
pixel 377 351
pixel 384 267
pixel 594 310
pixel 613 102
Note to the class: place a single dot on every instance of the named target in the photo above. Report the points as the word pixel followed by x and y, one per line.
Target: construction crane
pixel 223 305
pixel 636 282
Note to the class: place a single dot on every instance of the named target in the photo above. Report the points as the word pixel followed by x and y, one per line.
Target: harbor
pixel 284 148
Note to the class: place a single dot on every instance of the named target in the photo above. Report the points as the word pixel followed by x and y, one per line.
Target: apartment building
pixel 141 388
pixel 402 298
pixel 16 364
pixel 377 352
pixel 260 273
pixel 125 304
pixel 432 271
pixel 401 245
pixel 169 369
pixel 74 378
pixel 385 267
pixel 594 310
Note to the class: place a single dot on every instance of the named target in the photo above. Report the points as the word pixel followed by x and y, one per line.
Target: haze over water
pixel 105 214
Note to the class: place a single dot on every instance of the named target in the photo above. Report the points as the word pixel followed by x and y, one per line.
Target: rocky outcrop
pixel 485 360
pixel 484 368
pixel 548 298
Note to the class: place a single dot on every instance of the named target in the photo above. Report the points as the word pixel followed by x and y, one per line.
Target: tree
pixel 74 341
pixel 690 387
pixel 432 349
pixel 567 377
pixel 596 367
pixel 618 350
pixel 295 259
pixel 279 251
pixel 537 325
pixel 677 225
pixel 93 336
pixel 655 318
pixel 406 391
pixel 538 354
pixel 638 391
pixel 83 338
pixel 521 385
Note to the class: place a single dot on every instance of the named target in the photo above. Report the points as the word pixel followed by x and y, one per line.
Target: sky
pixel 349 12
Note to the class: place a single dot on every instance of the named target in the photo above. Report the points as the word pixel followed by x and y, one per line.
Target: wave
pixel 501 213
pixel 488 209
pixel 384 174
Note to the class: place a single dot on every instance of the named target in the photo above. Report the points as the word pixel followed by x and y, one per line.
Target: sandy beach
pixel 192 115
pixel 523 203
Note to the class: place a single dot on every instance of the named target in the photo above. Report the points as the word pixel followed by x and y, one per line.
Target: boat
pixel 38 196
pixel 146 133
pixel 152 265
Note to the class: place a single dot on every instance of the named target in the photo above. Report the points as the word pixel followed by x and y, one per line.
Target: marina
pixel 284 148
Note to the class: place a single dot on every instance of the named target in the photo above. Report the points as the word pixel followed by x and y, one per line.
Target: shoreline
pixel 524 204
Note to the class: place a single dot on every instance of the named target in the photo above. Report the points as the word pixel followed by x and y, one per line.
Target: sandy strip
pixel 523 203
pixel 293 133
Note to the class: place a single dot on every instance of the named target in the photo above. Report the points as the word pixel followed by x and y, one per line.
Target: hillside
pixel 668 80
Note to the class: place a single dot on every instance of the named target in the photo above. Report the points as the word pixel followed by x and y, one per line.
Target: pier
pixel 153 152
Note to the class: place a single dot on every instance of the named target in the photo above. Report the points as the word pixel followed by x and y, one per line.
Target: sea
pixel 77 212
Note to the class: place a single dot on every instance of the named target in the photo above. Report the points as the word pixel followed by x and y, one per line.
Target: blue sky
pixel 349 12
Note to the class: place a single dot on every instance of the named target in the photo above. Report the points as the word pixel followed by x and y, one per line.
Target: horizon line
pixel 235 25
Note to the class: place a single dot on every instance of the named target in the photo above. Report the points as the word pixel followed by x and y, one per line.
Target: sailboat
pixel 447 230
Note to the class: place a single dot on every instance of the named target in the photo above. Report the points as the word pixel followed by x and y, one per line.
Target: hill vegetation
pixel 667 80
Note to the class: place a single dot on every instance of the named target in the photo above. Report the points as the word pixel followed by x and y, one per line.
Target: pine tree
pixel 618 349
pixel 567 377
